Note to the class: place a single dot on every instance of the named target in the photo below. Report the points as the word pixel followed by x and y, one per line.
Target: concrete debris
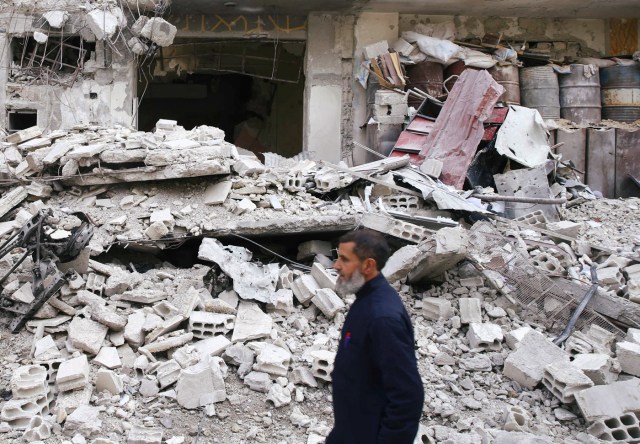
pixel 173 306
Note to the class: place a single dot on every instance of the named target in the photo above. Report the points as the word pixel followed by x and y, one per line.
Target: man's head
pixel 361 256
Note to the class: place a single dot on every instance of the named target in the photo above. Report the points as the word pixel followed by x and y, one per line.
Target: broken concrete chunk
pixel 200 385
pixel 273 360
pixel 250 281
pixel 609 401
pixel 108 357
pixel 247 166
pixel 73 374
pixel 214 346
pixel 145 435
pixel 328 302
pixel 56 19
pixel 628 354
pixel 102 23
pixel 485 336
pixel 87 335
pixel 258 381
pixel 527 363
pixel 159 31
pixel 251 323
pixel 109 381
pixel 84 420
pixel 217 193
pixel 24 135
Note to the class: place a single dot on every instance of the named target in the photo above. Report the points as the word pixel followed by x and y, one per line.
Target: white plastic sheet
pixel 523 137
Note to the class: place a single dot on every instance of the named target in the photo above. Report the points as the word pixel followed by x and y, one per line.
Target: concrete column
pixel 323 89
pixel 5 54
pixel 370 27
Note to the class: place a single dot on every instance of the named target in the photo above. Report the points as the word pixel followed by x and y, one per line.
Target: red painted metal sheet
pixel 421 125
pixel 498 115
pixel 412 142
pixel 459 127
pixel 489 132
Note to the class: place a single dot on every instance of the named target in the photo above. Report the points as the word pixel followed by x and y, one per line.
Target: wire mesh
pixel 550 301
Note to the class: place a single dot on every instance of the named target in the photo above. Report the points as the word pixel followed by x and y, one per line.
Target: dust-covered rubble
pixel 178 324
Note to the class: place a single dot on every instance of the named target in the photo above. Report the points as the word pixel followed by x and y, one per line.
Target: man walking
pixel 377 391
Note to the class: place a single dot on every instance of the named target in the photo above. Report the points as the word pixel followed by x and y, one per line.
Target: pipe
pixel 578 311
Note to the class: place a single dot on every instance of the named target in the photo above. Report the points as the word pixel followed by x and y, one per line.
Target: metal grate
pixel 550 301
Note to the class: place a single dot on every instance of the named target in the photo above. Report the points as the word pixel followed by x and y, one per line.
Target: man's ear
pixel 370 265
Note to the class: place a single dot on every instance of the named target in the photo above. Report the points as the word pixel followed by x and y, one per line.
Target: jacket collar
pixel 371 285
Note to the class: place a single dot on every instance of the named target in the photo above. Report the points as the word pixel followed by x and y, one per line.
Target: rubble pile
pixel 238 344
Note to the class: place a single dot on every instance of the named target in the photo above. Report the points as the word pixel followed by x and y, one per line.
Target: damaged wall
pixel 100 90
pixel 328 38
pixel 588 34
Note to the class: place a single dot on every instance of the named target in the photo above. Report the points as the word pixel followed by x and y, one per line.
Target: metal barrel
pixel 509 77
pixel 455 69
pixel 621 92
pixel 580 94
pixel 426 76
pixel 539 89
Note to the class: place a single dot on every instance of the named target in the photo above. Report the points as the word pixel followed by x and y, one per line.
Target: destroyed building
pixel 175 177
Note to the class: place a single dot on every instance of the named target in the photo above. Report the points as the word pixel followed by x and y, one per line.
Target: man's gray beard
pixel 351 285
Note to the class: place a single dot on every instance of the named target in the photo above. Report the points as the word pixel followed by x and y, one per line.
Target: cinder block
pixel 145 435
pixel 565 381
pixel 623 428
pixel 527 363
pixel 390 110
pixel 311 248
pixel 273 360
pixel 294 183
pixel 628 355
pixel 436 308
pixel 472 282
pixel 304 288
pixel 536 218
pixel 470 310
pixel 394 227
pixel 547 263
pixel 322 364
pixel 485 336
pixel 609 401
pixel 205 325
pixel 18 412
pixel 73 374
pixel 566 227
pixel 324 278
pixel 386 97
pixel 37 430
pixel 51 366
pixel 516 419
pixel 401 202
pixel 328 302
pixel 611 277
pixel 599 367
pixel 29 381
pixel 285 278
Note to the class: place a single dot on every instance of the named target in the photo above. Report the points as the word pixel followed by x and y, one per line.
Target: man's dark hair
pixel 368 244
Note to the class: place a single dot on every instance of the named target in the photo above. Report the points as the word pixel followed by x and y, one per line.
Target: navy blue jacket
pixel 377 391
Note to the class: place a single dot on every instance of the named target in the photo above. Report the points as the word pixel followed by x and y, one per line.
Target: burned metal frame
pixel 45 252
